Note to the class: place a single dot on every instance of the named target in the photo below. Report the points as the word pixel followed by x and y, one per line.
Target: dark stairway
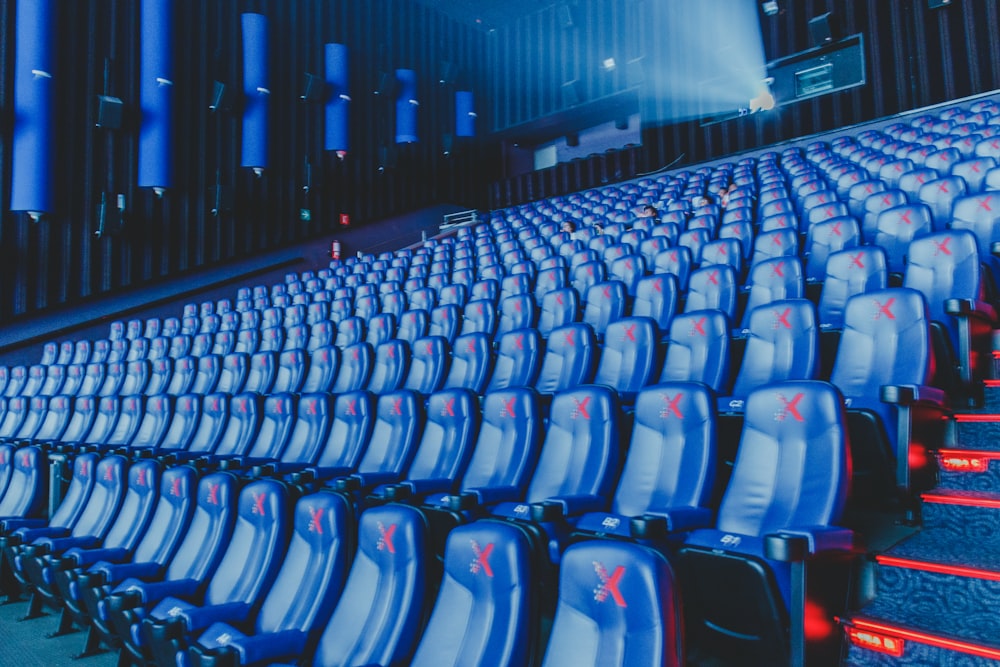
pixel 937 596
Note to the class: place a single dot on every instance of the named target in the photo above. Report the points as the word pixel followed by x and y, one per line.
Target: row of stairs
pixel 937 600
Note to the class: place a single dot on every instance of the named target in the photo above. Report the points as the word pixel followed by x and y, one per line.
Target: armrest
pixel 61 544
pixel 912 395
pixel 681 519
pixel 815 540
pixel 422 487
pixel 197 618
pixel 370 480
pixel 269 646
pixel 32 534
pixel 494 495
pixel 572 505
pixel 13 524
pixel 324 473
pixel 970 308
pixel 115 572
pixel 84 557
pixel 156 591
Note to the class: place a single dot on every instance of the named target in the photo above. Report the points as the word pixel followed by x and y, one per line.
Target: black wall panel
pixel 61 260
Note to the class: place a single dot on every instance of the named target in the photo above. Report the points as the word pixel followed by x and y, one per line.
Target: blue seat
pixel 232 373
pixel 350 428
pixel 772 280
pixel 849 272
pixel 874 204
pixel 883 368
pixel 939 195
pixel 277 418
pixel 350 331
pixel 205 378
pixel 604 303
pixel 392 362
pixel 516 312
pixel 568 360
pixel 378 617
pixel 247 342
pixel 50 571
pixel 233 592
pixel 183 423
pixel 628 357
pixel 299 603
pixel 324 362
pixel 745 584
pixel 355 368
pixel 698 349
pixel 238 431
pixel 666 485
pixel 782 344
pixel 724 252
pixel 628 269
pixel 677 261
pixel 896 227
pixel 517 360
pixel 973 171
pixel 578 462
pixel 479 315
pixel 617 605
pixel 547 280
pixel 156 418
pixel 483 614
pixel 826 238
pixel 945 268
pixel 979 214
pixel 585 274
pixel 559 308
pixel 471 363
pixel 25 494
pixel 207 423
pixel 656 298
pixel 428 364
pixel 712 288
pixel 444 322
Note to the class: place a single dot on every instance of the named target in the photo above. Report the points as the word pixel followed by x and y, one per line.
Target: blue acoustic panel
pixel 156 83
pixel 338 104
pixel 256 88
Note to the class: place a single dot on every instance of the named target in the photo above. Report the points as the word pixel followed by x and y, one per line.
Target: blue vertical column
pixel 156 85
pixel 31 180
pixel 406 106
pixel 465 114
pixel 338 104
pixel 257 91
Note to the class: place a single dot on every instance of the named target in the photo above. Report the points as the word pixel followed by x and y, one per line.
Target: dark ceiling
pixel 487 14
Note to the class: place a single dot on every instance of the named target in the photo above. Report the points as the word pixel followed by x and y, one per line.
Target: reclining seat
pixel 698 349
pixel 212 422
pixel 14 415
pixel 618 605
pixel 470 363
pixel 90 527
pixel 712 288
pixel 56 421
pixel 883 367
pixel 115 611
pixel 25 495
pixel 392 361
pixel 745 581
pixel 378 617
pixel 301 600
pixel 605 302
pixel 6 466
pixel 484 613
pixel 782 344
pixel 945 268
pixel 578 463
pixel 93 572
pixel 324 362
pixel 268 443
pixel 428 364
pixel 350 430
pixel 568 360
pixel 850 272
pixel 307 436
pixel 130 522
pixel 517 359
pixel 240 429
pixel 656 297
pixel 771 280
pixel 355 367
pixel 669 478
pixel 398 420
pixel 628 356
pixel 234 592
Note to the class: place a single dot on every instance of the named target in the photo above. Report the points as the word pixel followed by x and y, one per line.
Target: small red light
pixel 876 642
pixel 952 463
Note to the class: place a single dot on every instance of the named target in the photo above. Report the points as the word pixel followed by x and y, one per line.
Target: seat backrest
pixel 886 340
pixel 355 367
pixel 313 570
pixel 392 361
pixel 291 371
pixel 105 418
pixel 428 364
pixel 873 205
pixel 793 465
pixel 37 406
pixel 444 321
pixel 939 196
pixel 725 252
pixel 17 377
pixel 548 280
pixel 160 372
pixel 605 303
pixel 849 272
pixel 350 330
pixel 55 375
pixel 656 298
pixel 25 495
pixel 379 614
pixel 516 312
pixel 104 499
pixel 212 422
pixel 278 417
pixel 350 430
pixel 255 549
pixel 169 520
pixel 233 372
pixel 896 227
pixel 93 379
pixel 137 507
pixel 452 419
pixel 771 280
pixel 671 459
pixel 698 349
pixel 517 359
pixel 241 427
pixel 183 422
pixel 944 265
pixel 617 605
pixel 413 324
pixel 75 375
pixel 471 358
pixel 782 344
pixel 157 413
pixel 390 448
pixel 579 456
pixel 209 530
pixel 712 288
pixel 569 358
pixel 979 214
pixel 310 429
pixel 479 315
pixel 56 419
pixel 628 355
pixel 484 612
pixel 825 238
pixel 559 308
pixel 207 374
pixel 324 362
pixel 130 412
pixel 629 269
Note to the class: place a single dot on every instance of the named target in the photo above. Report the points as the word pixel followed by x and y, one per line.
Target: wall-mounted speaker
pixel 110 112
pixel 314 89
pixel 222 97
pixel 823 29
